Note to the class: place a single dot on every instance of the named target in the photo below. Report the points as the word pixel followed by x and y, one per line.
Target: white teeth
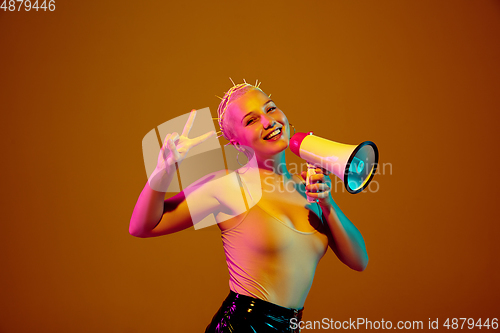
pixel 274 133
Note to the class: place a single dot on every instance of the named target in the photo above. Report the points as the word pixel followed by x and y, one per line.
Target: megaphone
pixel 355 165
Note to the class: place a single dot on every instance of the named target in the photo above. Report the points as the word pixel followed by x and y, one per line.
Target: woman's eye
pixel 271 109
pixel 250 121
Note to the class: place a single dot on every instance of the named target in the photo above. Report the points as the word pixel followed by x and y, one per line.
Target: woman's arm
pixel 344 238
pixel 154 216
pixel 147 212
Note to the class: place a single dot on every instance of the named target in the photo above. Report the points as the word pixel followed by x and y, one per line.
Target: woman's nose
pixel 267 121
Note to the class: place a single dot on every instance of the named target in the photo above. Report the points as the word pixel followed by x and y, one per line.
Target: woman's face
pixel 257 122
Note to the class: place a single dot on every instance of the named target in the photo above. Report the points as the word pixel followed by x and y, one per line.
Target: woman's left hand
pixel 319 187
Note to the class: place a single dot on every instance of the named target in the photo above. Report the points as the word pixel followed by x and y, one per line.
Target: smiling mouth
pixel 273 134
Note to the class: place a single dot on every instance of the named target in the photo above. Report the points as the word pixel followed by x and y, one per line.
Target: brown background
pixel 82 85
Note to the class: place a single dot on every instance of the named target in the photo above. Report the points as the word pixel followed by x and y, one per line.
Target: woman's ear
pixel 238 147
pixel 235 144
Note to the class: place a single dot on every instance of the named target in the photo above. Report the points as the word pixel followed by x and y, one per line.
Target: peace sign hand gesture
pixel 175 147
pixel 174 150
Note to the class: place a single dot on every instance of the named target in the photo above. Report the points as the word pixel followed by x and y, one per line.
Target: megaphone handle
pixel 311 170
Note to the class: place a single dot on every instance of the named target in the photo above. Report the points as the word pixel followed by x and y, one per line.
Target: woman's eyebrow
pixel 249 113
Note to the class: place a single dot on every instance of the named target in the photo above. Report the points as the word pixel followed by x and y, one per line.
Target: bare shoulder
pixel 210 177
pixel 212 183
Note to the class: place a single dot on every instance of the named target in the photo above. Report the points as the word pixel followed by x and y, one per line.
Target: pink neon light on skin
pixel 253 116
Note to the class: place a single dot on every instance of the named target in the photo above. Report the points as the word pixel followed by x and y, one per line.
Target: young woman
pixel 275 242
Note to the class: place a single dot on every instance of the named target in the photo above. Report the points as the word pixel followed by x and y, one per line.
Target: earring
pixel 293 129
pixel 237 160
pixel 238 155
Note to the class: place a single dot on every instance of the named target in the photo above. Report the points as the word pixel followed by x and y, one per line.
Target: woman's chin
pixel 273 147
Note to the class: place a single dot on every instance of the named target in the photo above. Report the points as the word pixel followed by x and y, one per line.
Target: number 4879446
pixel 27 5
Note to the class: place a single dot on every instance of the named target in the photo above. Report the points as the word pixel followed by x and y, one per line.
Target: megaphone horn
pixel 355 165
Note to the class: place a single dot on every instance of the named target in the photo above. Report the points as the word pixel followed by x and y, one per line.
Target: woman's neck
pixel 273 175
pixel 273 169
pixel 275 164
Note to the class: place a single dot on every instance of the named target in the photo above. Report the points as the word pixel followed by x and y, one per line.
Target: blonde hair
pixel 237 90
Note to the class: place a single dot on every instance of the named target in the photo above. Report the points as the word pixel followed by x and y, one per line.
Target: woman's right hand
pixel 174 150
